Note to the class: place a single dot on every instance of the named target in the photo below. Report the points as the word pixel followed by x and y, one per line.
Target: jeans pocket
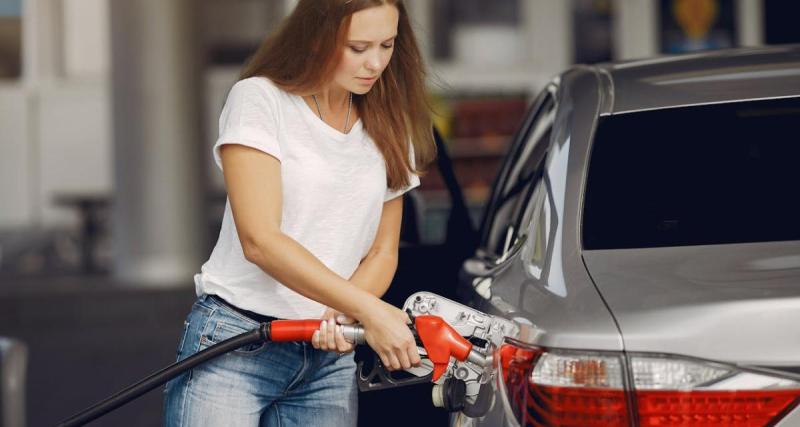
pixel 182 340
pixel 223 330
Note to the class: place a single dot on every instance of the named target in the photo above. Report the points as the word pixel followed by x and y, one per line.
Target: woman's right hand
pixel 386 331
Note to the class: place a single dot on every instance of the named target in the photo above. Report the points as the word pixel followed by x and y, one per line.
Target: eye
pixel 387 46
pixel 357 49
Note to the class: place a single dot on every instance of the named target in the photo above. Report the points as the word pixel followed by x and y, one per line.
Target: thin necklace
pixel 349 108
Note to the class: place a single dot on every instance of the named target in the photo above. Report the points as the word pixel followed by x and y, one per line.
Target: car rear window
pixel 700 175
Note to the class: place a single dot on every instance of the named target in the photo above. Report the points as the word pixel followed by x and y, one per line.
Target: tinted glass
pixel 525 167
pixel 538 220
pixel 715 174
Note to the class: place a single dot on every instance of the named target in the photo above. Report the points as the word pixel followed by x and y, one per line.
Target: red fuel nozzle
pixel 441 341
pixel 439 338
pixel 293 330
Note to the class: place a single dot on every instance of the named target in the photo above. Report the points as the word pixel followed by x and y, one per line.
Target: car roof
pixel 701 78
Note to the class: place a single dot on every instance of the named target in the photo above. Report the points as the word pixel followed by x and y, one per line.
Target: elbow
pixel 257 249
pixel 250 251
pixel 387 255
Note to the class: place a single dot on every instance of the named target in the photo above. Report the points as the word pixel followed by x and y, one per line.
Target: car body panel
pixel 568 310
pixel 710 77
pixel 711 302
pixel 792 419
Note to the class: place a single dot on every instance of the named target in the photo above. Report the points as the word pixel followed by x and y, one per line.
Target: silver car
pixel 645 232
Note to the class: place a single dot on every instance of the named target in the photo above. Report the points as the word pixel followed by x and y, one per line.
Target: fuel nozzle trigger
pixel 379 378
pixel 441 341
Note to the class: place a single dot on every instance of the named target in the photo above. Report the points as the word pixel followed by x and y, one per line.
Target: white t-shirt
pixel 334 186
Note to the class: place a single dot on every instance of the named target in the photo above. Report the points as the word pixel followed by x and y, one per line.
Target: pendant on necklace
pixel 349 109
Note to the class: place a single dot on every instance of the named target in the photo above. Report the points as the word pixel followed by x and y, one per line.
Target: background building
pixel 487 58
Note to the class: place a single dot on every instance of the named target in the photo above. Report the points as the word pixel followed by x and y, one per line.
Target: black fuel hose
pixel 262 333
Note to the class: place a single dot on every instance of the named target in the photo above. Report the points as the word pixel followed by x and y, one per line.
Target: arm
pixel 374 274
pixel 253 181
pixel 377 269
pixel 257 214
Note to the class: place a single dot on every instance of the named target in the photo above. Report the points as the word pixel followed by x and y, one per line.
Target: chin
pixel 361 90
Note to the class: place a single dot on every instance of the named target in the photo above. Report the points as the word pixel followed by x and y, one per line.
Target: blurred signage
pixel 693 25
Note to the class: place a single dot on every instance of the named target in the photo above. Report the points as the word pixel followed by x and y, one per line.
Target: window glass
pixel 537 219
pixel 515 189
pixel 713 174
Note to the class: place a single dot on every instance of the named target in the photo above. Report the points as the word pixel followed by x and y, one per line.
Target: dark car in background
pixel 645 233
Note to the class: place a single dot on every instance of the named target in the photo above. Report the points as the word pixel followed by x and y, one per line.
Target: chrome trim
pixel 699 104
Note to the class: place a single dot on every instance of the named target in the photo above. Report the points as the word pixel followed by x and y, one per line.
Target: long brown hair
pixel 302 54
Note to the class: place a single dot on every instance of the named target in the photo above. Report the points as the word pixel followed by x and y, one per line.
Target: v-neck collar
pixel 313 119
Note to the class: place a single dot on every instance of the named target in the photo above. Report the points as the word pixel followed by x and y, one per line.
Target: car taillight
pixel 551 387
pixel 672 391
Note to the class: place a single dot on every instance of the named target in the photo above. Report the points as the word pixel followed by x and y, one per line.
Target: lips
pixel 367 79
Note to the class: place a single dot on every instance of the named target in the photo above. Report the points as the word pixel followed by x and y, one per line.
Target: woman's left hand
pixel 329 336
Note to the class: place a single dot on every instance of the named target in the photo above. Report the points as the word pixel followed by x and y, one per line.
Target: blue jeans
pixel 262 384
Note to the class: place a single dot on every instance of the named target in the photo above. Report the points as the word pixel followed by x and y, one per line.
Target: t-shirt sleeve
pixel 413 179
pixel 249 118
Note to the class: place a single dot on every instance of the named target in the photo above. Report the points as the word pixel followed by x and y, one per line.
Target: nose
pixel 373 62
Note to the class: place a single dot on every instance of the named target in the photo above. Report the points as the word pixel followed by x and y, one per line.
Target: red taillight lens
pixel 569 388
pixel 517 364
pixel 548 390
pixel 680 391
pixel 566 406
pixel 713 408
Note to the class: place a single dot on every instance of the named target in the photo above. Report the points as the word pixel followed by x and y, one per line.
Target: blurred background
pixel 109 199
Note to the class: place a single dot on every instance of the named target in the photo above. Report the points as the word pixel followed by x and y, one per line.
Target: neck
pixel 333 98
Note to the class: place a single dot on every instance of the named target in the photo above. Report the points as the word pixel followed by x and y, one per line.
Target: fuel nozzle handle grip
pixel 303 330
pixel 354 334
pixel 293 330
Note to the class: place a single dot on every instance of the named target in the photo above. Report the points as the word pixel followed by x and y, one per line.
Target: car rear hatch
pixel 737 303
pixel 690 233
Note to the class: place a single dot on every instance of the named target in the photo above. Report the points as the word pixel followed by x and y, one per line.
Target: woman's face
pixel 368 48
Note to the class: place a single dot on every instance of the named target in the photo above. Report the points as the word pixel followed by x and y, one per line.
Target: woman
pixel 326 130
